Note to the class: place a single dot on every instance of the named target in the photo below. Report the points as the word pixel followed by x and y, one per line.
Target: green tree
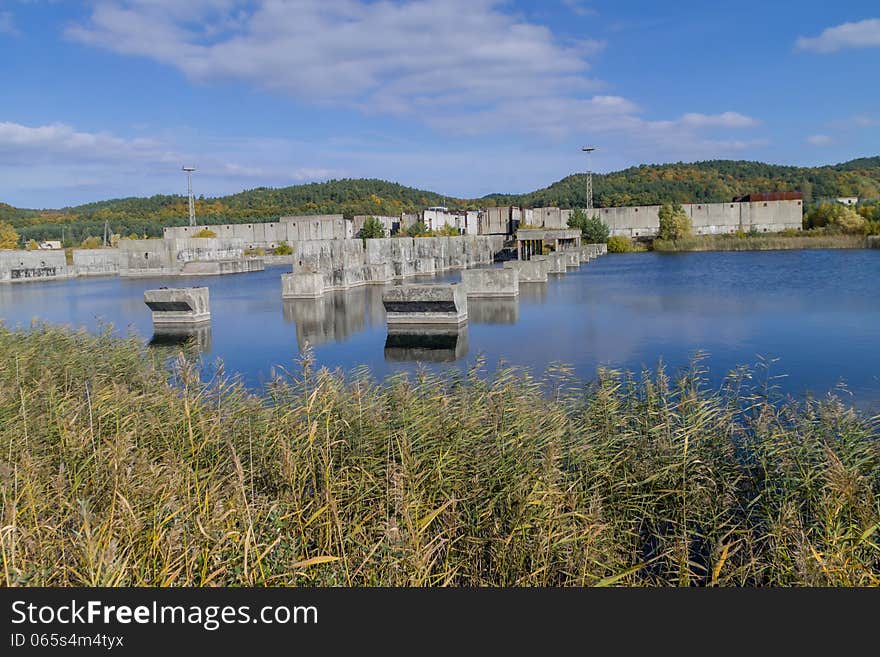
pixel 8 236
pixel 675 224
pixel 372 228
pixel 447 230
pixel 593 229
pixel 418 228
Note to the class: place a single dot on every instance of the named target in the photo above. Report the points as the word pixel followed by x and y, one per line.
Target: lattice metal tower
pixel 189 193
pixel 589 151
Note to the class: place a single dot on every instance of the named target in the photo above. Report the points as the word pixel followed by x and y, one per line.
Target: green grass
pixel 761 242
pixel 111 475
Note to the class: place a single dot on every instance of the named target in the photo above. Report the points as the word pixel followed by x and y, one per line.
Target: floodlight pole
pixel 189 193
pixel 589 151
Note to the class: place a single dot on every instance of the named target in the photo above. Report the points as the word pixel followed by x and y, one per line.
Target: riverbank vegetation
pixel 710 181
pixel 761 242
pixel 110 475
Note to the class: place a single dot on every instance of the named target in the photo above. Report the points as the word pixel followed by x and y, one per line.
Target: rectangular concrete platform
pixel 420 305
pixel 491 283
pixel 178 306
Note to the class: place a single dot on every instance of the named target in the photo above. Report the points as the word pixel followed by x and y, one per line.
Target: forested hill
pixel 716 180
pixel 710 181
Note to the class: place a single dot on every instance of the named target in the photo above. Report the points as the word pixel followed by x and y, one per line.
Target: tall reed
pixel 116 472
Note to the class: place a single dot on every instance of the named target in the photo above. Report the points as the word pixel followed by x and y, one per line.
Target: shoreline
pixel 702 243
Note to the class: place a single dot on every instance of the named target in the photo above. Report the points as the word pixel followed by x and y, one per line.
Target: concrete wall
pixel 347 263
pixel 168 256
pixel 495 221
pixel 490 282
pixel 20 266
pixel 271 234
pixel 96 262
pixel 707 218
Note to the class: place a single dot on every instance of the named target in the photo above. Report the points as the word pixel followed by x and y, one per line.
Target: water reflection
pixel 493 311
pixel 331 318
pixel 170 336
pixel 429 344
pixel 533 291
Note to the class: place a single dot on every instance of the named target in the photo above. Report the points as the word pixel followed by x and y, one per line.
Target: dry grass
pixel 111 475
pixel 761 242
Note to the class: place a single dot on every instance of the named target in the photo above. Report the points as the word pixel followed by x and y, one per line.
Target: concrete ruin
pixel 425 305
pixel 190 256
pixel 96 262
pixel 643 221
pixel 529 271
pixel 502 282
pixel 185 306
pixel 24 266
pixel 268 235
pixel 535 241
pixel 302 285
pixel 343 264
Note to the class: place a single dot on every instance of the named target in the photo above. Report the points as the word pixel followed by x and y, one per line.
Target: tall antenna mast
pixel 589 151
pixel 189 193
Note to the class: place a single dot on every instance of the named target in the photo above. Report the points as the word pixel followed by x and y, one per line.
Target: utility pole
pixel 189 193
pixel 106 232
pixel 589 151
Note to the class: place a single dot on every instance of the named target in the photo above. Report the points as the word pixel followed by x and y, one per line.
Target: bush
pixel 620 244
pixel 836 216
pixel 92 243
pixel 593 229
pixel 283 248
pixel 205 232
pixel 372 228
pixel 447 230
pixel 674 222
pixel 417 229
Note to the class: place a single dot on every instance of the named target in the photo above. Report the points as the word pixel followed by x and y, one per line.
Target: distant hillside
pixel 714 180
pixel 710 181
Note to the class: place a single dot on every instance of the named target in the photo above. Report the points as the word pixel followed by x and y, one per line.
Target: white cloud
pixel 861 34
pixel 820 140
pixel 579 8
pixel 7 25
pixel 723 120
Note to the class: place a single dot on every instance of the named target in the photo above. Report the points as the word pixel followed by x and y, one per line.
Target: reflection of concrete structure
pixel 532 291
pixel 178 306
pixel 485 310
pixel 415 305
pixel 530 271
pixel 426 345
pixel 170 335
pixel 490 282
pixel 331 318
pixel 22 266
pixel 532 241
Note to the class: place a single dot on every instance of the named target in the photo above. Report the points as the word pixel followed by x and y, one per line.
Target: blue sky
pixel 465 97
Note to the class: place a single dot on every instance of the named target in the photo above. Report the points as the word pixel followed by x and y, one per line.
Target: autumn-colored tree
pixel 8 236
pixel 675 224
pixel 205 232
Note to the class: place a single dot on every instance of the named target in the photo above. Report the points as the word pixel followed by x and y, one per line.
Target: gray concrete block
pixel 490 282
pixel 530 271
pixel 302 285
pixel 175 306
pixel 425 304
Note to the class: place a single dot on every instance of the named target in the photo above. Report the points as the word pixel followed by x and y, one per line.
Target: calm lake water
pixel 817 312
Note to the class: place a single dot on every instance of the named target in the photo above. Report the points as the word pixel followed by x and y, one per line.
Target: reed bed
pixel 769 242
pixel 118 471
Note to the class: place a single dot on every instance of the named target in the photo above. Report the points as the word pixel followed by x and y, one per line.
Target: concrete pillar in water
pixel 490 282
pixel 302 285
pixel 178 306
pixel 418 305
